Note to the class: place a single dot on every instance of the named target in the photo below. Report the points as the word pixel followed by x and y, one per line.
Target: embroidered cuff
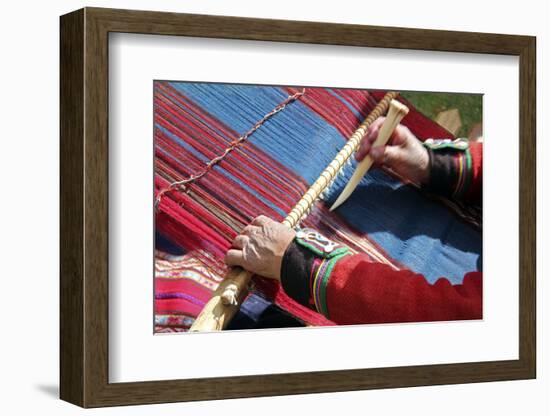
pixel 295 271
pixel 306 268
pixel 318 243
pixel 319 278
pixel 451 170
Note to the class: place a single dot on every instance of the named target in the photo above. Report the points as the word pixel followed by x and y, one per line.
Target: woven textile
pixel 389 220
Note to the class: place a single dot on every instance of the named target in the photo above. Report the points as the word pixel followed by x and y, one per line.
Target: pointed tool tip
pixel 336 204
pixel 347 191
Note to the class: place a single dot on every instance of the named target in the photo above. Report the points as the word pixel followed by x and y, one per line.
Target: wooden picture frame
pixel 84 207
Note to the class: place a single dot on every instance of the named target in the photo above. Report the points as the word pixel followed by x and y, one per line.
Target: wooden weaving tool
pixel 226 299
pixel 396 112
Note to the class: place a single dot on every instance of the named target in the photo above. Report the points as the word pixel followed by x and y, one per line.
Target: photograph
pixel 308 206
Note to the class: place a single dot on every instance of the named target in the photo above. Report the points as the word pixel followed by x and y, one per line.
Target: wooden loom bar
pixel 226 299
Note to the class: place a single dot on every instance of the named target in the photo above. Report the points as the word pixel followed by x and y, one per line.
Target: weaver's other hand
pixel 260 247
pixel 404 153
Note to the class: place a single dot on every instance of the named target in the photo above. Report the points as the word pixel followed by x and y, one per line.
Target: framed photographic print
pixel 255 207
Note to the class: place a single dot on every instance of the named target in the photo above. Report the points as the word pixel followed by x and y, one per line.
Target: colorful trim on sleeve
pixel 465 173
pixel 320 276
pixel 451 167
pixel 319 244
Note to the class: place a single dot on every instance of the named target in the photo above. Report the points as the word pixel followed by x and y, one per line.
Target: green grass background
pixel 432 103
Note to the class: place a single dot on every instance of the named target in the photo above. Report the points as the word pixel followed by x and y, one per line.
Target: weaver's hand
pixel 260 247
pixel 404 154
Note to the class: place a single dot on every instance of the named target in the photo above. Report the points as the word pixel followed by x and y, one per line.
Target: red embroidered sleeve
pixel 350 289
pixel 358 291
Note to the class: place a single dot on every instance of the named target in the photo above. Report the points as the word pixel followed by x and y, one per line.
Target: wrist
pixel 424 168
pixel 285 246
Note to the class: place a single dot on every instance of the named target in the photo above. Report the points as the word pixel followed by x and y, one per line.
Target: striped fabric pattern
pixel 183 284
pixel 390 221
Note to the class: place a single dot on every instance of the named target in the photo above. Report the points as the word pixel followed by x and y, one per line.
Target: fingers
pixel 368 140
pixel 399 137
pixel 377 155
pixel 240 241
pixel 234 257
pixel 261 220
pixel 386 155
pixel 250 230
pixel 375 126
pixel 363 150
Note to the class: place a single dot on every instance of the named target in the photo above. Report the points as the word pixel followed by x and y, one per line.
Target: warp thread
pixel 234 144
